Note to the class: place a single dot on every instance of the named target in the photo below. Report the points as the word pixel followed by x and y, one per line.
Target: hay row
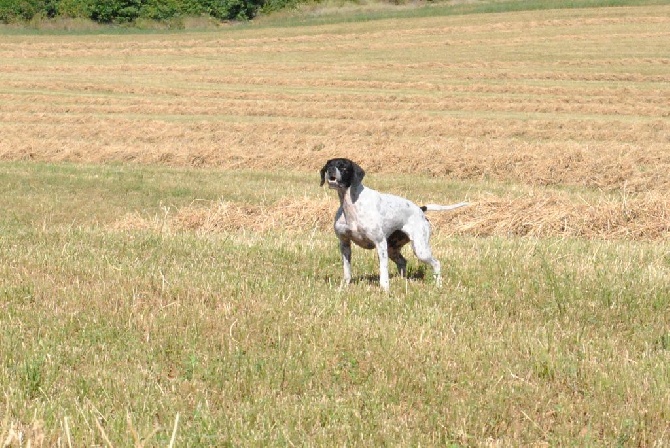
pixel 539 99
pixel 606 154
pixel 537 215
pixel 330 107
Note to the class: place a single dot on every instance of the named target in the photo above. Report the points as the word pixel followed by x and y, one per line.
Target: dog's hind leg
pixel 423 253
pixel 395 243
pixel 399 260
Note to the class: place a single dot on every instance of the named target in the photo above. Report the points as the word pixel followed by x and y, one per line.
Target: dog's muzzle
pixel 334 178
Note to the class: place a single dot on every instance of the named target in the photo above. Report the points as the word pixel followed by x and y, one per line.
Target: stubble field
pixel 168 273
pixel 575 98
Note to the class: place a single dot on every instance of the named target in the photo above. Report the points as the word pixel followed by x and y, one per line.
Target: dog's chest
pixel 348 226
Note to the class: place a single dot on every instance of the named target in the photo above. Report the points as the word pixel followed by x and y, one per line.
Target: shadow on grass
pixel 373 279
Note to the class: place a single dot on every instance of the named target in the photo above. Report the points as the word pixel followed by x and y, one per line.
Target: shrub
pixel 75 8
pixel 128 11
pixel 233 9
pixel 160 10
pixel 20 10
pixel 115 11
pixel 278 5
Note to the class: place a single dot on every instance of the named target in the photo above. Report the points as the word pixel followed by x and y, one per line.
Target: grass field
pixel 168 275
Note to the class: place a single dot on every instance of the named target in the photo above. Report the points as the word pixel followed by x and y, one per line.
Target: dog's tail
pixel 442 208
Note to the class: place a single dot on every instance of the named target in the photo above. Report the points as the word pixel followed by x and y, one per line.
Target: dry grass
pixel 541 98
pixel 538 215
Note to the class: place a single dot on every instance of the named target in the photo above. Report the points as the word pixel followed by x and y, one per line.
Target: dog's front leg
pixel 383 253
pixel 345 250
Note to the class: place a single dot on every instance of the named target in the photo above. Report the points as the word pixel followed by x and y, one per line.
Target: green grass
pixel 75 195
pixel 328 12
pixel 246 339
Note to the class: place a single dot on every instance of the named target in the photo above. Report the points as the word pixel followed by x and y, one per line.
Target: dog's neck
pixel 348 198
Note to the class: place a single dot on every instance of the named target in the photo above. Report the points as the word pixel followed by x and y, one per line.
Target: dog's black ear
pixel 359 173
pixel 323 173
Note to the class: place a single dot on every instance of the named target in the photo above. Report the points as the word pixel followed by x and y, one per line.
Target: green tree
pixel 115 11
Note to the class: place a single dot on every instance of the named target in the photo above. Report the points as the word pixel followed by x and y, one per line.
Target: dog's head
pixel 341 173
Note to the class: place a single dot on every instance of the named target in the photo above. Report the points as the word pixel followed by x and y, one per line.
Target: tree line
pixel 127 11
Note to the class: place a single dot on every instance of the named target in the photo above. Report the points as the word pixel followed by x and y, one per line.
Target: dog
pixel 376 220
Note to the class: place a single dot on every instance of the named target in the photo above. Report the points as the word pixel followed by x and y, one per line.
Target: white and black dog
pixel 376 220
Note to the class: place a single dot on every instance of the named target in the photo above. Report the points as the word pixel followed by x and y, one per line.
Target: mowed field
pixel 571 98
pixel 169 276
